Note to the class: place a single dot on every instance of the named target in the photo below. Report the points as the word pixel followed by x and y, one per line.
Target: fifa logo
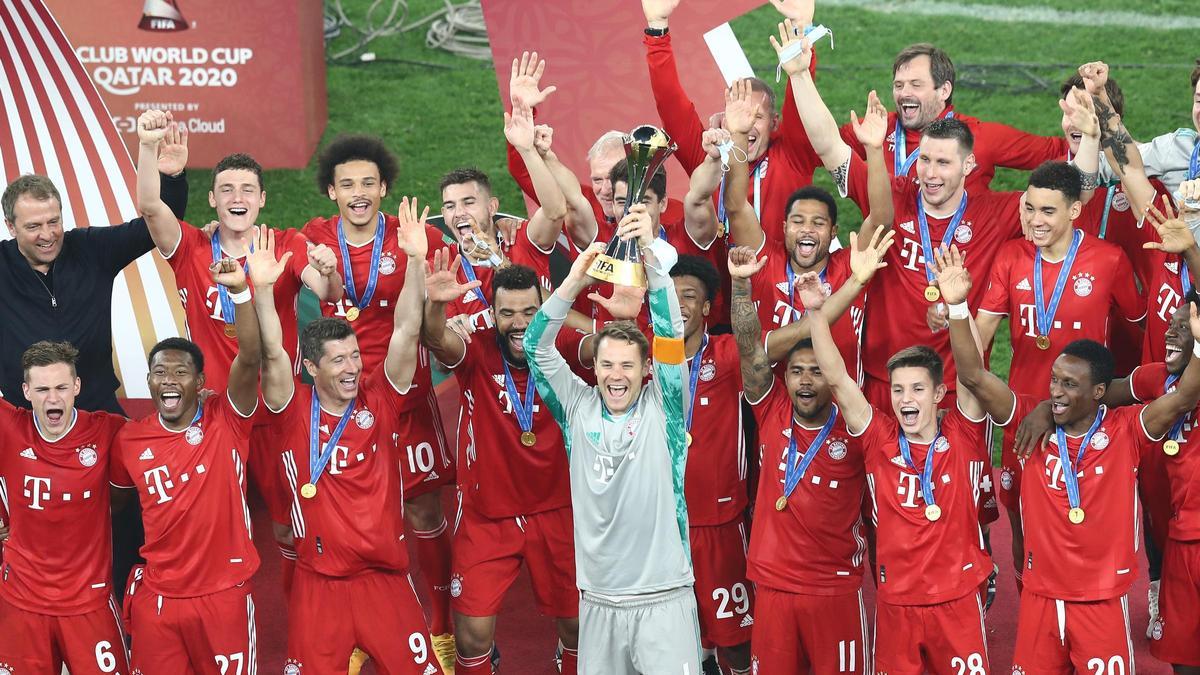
pixel 162 15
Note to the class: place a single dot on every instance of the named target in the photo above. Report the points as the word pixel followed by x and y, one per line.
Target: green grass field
pixel 438 111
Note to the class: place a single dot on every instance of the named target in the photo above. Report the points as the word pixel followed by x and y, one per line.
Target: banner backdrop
pixel 596 58
pixel 53 122
pixel 248 74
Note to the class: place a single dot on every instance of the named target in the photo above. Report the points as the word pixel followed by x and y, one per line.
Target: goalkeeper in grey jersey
pixel 627 450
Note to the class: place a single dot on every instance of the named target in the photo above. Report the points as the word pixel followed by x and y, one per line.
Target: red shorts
pixel 89 644
pixel 264 469
pixel 207 635
pixel 375 611
pixel 941 639
pixel 796 633
pixel 1175 637
pixel 426 465
pixel 724 598
pixel 487 557
pixel 1055 636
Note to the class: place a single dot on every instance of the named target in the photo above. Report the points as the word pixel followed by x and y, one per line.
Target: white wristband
pixel 1196 348
pixel 240 298
pixel 958 311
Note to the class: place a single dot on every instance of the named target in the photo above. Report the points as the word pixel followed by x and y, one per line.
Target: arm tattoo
pixel 1113 136
pixel 756 369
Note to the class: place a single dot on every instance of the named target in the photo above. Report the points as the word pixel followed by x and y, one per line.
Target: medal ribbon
pixel 791 280
pixel 759 171
pixel 901 167
pixel 1185 276
pixel 468 269
pixel 926 474
pixel 1108 200
pixel 1045 315
pixel 372 274
pixel 227 311
pixel 318 460
pixel 1194 162
pixel 923 226
pixel 523 409
pixel 794 472
pixel 1064 457
pixel 1174 434
pixel 697 362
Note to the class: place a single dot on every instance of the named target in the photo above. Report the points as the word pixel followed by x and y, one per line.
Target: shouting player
pixel 190 607
pixel 340 462
pixel 56 594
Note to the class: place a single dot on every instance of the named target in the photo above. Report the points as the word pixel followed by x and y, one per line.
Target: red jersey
pixel 717 253
pixel 355 522
pixel 202 304
pixel 498 475
pixel 423 434
pixel 715 478
pixel 1095 559
pixel 816 545
pixel 478 302
pixel 995 145
pixel 991 218
pixel 192 487
pixel 922 562
pixel 1100 281
pixel 1183 469
pixel 778 306
pixel 787 165
pixel 1164 297
pixel 58 557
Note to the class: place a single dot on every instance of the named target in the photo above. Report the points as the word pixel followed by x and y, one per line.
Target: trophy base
pixel 620 272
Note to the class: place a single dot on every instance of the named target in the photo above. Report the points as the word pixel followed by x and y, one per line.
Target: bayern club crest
pixel 456 586
pixel 87 456
pixel 1100 440
pixel 1120 201
pixel 1083 286
pixel 1006 480
pixel 5 669
pixel 193 435
pixel 963 233
pixel 942 445
pixel 1156 633
pixel 708 371
pixel 837 450
pixel 364 419
pixel 292 667
pixel 387 265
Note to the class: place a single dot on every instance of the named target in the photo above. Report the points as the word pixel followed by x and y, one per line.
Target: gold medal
pixel 1171 447
pixel 933 512
pixel 1043 342
pixel 308 490
pixel 528 438
pixel 352 313
pixel 689 439
pixel 1075 515
pixel 230 330
pixel 932 293
pixel 781 503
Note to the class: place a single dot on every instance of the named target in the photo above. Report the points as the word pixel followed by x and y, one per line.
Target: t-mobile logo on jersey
pixel 604 467
pixel 1054 472
pixel 158 481
pixel 911 251
pixel 37 490
pixel 908 489
pixel 1168 301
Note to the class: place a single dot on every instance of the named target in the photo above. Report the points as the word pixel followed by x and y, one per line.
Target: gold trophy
pixel 162 15
pixel 646 150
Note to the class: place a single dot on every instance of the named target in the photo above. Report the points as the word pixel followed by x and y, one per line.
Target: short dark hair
pixel 941 68
pixel 178 344
pixel 1099 359
pixel 1195 74
pixel 700 268
pixel 38 187
pixel 46 353
pixel 657 183
pixel 515 278
pixel 951 128
pixel 761 86
pixel 316 334
pixel 1060 177
pixel 1115 95
pixel 351 147
pixel 242 161
pixel 467 174
pixel 627 331
pixel 918 356
pixel 814 194
pixel 802 344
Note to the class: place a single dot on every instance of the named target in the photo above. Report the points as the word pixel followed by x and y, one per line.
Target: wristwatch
pixel 657 32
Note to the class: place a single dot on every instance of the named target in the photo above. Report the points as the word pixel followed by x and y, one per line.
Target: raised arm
pixel 321 273
pixel 580 224
pixel 850 399
pixel 871 131
pixel 278 377
pixel 979 391
pixel 677 112
pixel 1161 414
pixel 243 372
pixel 1121 151
pixel 700 218
pixel 1079 106
pixel 546 222
pixel 822 130
pixel 400 364
pixel 744 226
pixel 153 127
pixel 442 288
pixel 756 367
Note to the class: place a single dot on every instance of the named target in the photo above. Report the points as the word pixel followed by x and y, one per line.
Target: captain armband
pixel 668 350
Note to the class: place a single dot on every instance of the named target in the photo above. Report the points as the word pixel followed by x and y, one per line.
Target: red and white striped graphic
pixel 54 123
